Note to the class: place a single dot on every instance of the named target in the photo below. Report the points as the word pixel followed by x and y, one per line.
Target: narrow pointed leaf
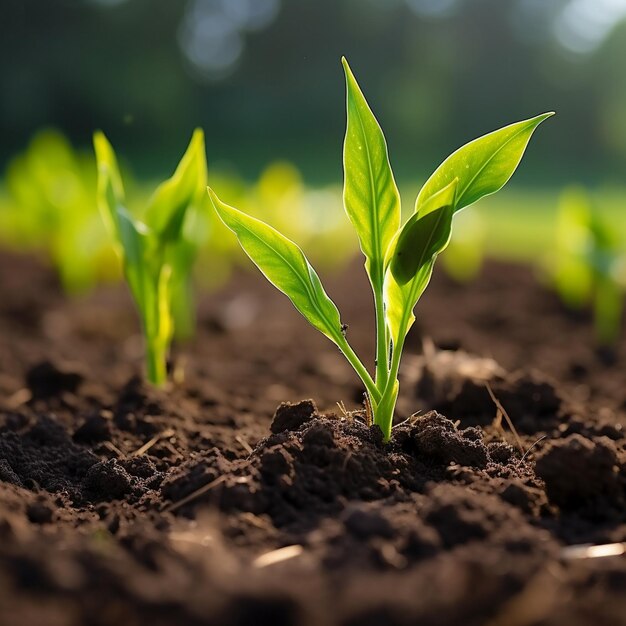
pixel 168 206
pixel 134 239
pixel 371 197
pixel 283 263
pixel 110 187
pixel 149 278
pixel 411 263
pixel 484 165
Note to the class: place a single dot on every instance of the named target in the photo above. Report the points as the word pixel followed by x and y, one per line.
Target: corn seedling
pixel 588 264
pixel 156 256
pixel 398 259
pixel 51 207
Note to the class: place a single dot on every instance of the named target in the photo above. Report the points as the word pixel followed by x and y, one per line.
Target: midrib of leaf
pixel 374 215
pixel 297 274
pixel 484 165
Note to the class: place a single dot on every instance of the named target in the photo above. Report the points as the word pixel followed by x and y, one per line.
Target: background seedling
pixel 587 265
pixel 157 258
pixel 48 205
pixel 398 260
pixel 51 208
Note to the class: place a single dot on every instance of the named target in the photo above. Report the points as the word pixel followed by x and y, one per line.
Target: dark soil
pixel 207 505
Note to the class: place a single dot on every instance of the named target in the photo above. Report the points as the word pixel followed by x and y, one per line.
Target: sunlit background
pixel 263 79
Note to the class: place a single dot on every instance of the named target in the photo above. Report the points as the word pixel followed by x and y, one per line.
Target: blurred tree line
pixel 263 78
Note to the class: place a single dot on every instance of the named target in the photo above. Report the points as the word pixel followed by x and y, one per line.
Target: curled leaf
pixel 412 259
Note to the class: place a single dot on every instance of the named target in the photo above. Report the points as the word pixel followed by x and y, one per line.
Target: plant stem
pixel 156 363
pixel 384 411
pixel 158 324
pixel 382 343
pixel 359 368
pixel 395 361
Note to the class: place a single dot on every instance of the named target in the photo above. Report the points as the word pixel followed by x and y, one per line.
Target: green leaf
pixel 166 211
pixel 149 278
pixel 283 263
pixel 420 239
pixel 412 259
pixel 371 197
pixel 134 238
pixel 483 166
pixel 157 257
pixel 110 187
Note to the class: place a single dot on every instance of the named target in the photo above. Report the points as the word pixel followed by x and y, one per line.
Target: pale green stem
pixel 359 368
pixel 156 362
pixel 384 411
pixel 156 341
pixel 382 342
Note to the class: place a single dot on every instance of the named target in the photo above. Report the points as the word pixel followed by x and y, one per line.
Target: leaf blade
pixel 284 264
pixel 411 262
pixel 484 165
pixel 168 206
pixel 110 190
pixel 371 197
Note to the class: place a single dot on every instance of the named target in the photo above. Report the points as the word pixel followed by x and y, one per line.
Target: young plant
pixel 156 257
pixel 51 207
pixel 398 259
pixel 587 264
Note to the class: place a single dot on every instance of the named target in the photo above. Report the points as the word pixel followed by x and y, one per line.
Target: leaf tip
pixel 212 196
pixel 197 136
pixel 100 141
pixel 347 69
pixel 221 208
pixel 544 116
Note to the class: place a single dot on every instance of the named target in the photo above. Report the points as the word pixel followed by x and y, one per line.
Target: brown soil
pixel 207 505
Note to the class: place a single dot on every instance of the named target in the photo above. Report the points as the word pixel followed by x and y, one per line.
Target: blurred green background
pixel 264 81
pixel 263 78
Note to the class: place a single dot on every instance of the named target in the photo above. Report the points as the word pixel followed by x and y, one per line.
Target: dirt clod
pixel 46 379
pixel 580 471
pixel 290 416
pixel 108 480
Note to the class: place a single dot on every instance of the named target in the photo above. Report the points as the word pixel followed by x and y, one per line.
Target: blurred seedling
pixel 588 264
pixel 399 259
pixel 156 249
pixel 51 208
